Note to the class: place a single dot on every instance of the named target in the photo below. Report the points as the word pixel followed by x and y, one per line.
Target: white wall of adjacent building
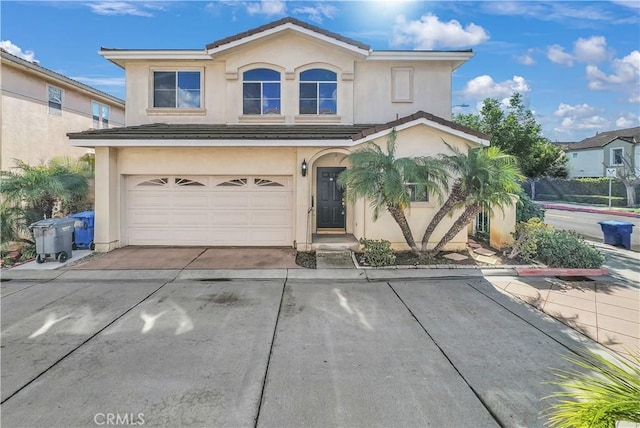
pixel 586 163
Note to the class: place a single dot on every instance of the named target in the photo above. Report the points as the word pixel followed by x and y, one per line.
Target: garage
pixel 209 210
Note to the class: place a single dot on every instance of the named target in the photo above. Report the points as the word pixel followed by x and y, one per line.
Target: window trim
pixel 175 110
pixel 55 111
pixel 612 156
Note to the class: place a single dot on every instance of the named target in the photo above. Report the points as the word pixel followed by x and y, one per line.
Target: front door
pixel 331 208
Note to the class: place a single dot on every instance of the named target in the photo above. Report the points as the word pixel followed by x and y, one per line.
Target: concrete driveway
pixel 174 348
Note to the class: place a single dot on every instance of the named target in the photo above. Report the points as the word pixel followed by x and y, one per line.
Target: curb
pixel 542 271
pixel 590 210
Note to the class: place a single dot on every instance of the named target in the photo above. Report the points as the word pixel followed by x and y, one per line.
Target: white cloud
pixel 579 118
pixel 266 7
pixel 484 86
pixel 28 55
pixel 628 121
pixel 580 110
pixel 556 54
pixel 626 72
pixel 318 12
pixel 592 50
pixel 119 8
pixel 430 33
pixel 526 59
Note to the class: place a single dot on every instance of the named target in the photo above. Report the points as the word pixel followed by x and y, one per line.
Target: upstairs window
pixel 318 92
pixel 55 100
pixel 176 89
pixel 417 193
pixel 261 91
pixel 617 156
pixel 100 113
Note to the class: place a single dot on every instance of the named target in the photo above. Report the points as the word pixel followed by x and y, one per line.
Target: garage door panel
pixel 245 211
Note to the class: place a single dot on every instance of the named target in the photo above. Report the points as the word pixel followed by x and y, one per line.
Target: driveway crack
pixel 444 354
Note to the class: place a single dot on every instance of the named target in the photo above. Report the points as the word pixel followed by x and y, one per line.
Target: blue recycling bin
pixel 84 229
pixel 617 233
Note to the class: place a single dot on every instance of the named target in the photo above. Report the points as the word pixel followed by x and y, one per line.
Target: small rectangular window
pixel 574 155
pixel 100 114
pixel 176 89
pixel 617 156
pixel 55 100
pixel 417 193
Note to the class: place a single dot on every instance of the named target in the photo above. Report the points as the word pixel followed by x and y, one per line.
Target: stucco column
pixel 107 226
pixel 502 225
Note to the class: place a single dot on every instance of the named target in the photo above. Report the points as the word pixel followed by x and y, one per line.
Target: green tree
pixel 37 188
pixel 384 181
pixel 487 179
pixel 516 132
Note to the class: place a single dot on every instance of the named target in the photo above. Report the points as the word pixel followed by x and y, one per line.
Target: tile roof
pixel 601 139
pixel 162 131
pixel 287 20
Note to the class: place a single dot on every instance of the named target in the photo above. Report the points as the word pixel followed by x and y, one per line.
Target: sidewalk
pixel 585 208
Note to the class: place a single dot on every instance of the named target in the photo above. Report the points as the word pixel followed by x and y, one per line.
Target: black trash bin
pixel 617 233
pixel 54 237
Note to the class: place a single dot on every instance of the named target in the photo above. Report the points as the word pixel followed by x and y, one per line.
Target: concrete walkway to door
pixel 149 258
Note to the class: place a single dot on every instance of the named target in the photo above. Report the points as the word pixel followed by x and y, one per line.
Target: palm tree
pixel 488 179
pixel 39 187
pixel 381 178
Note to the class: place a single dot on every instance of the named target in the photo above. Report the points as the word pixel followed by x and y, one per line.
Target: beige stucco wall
pixel 29 132
pixel 114 165
pixel 364 86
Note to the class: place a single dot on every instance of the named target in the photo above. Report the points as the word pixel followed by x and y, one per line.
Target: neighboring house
pixel 39 107
pixel 612 149
pixel 240 143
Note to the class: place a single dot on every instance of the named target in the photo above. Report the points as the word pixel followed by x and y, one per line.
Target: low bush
pixel 526 238
pixel 377 252
pixel 566 249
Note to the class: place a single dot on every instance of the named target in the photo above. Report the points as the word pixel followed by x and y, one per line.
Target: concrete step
pixel 334 259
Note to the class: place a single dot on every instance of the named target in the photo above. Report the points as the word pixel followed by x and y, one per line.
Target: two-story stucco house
pixel 39 107
pixel 592 156
pixel 240 143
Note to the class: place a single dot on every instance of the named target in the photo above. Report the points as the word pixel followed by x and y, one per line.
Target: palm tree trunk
pixel 399 217
pixel 465 218
pixel 454 198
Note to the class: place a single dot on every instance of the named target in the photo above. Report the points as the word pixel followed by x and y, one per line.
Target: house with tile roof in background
pixel 592 156
pixel 39 107
pixel 240 143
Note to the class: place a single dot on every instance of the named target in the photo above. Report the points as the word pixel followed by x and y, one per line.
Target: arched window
pixel 261 91
pixel 318 92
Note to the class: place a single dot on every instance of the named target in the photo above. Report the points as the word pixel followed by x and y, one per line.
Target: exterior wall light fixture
pixel 304 168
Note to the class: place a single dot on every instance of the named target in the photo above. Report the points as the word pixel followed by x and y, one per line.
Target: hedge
pixel 585 190
pixel 584 199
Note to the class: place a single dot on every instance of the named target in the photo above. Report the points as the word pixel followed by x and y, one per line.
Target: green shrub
pixel 616 201
pixel 526 209
pixel 566 249
pixel 526 238
pixel 378 252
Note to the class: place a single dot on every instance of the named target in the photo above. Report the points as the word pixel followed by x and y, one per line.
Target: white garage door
pixel 190 210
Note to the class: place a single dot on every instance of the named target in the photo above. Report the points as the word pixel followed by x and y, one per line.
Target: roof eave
pixel 121 56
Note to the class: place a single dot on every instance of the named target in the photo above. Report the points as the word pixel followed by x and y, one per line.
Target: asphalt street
pixel 167 349
pixel 587 225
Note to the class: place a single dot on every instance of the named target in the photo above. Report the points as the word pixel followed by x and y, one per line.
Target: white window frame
pixel 317 83
pixel 53 110
pixel 176 110
pixel 612 157
pixel 262 96
pixel 103 119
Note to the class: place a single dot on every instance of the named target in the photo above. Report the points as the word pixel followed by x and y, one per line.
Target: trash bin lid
pixel 616 223
pixel 52 222
pixel 83 214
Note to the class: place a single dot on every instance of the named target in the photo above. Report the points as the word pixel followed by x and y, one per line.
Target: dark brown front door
pixel 331 209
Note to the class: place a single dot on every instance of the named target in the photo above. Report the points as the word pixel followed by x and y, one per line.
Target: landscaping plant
pixel 378 252
pixel 597 394
pixel 526 238
pixel 566 249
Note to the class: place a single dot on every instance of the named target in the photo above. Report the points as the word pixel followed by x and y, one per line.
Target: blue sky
pixel 577 64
